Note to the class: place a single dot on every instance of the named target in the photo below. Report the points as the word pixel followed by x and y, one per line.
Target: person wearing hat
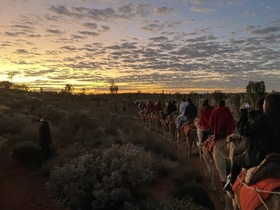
pixel 263 139
pixel 45 137
pixel 243 123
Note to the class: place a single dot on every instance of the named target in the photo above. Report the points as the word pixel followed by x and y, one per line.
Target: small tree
pixel 11 76
pixel 69 88
pixel 6 84
pixel 114 90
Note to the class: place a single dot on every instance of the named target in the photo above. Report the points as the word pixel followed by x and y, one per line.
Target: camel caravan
pixel 245 152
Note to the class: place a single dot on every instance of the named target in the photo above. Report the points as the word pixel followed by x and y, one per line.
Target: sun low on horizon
pixel 171 46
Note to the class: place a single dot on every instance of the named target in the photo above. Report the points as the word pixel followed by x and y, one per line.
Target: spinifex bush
pixel 28 154
pixel 107 181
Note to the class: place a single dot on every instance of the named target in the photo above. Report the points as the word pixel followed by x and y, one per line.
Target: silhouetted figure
pixel 243 122
pixel 45 137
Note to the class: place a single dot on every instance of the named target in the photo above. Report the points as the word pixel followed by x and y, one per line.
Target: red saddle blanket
pixel 187 127
pixel 250 196
pixel 209 143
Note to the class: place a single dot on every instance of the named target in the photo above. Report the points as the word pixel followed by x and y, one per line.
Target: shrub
pixel 106 181
pixel 28 154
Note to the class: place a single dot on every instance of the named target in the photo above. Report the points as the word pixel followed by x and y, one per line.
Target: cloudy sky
pixel 145 45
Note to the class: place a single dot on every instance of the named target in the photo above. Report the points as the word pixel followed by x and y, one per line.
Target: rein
pixel 218 149
pixel 226 143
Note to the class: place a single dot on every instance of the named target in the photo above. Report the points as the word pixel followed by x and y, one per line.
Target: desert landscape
pixel 89 134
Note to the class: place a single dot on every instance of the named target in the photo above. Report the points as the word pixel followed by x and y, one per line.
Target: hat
pixel 245 106
pixel 46 118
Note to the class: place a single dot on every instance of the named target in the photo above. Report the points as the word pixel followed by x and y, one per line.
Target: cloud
pixel 163 10
pixel 88 33
pixel 203 10
pixel 55 31
pixel 248 14
pixel 262 31
pixel 128 11
pixel 91 25
pixel 21 51
pixel 157 25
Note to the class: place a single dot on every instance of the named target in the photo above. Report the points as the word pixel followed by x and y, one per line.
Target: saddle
pixel 268 168
pixel 209 143
pixel 187 126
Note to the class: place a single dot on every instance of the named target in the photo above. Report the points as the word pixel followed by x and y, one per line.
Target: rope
pixel 258 191
pixel 218 149
pixel 224 156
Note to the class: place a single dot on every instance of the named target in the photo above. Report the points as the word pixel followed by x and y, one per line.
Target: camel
pixel 141 117
pixel 156 124
pixel 249 189
pixel 219 153
pixel 189 131
pixel 169 126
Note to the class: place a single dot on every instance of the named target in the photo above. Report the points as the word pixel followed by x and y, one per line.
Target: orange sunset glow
pixel 147 46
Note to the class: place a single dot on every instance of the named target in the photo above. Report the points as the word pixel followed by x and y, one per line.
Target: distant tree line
pixel 8 85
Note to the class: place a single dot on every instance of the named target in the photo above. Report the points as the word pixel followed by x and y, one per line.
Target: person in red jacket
pixel 203 126
pixel 221 121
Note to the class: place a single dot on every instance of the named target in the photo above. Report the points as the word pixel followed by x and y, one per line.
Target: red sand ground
pixel 21 189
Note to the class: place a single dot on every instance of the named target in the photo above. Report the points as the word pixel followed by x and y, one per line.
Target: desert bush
pixel 31 103
pixel 182 204
pixel 106 181
pixel 28 154
pixel 77 119
pixel 12 123
pixel 3 142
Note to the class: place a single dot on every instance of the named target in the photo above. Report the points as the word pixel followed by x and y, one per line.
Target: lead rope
pixel 218 149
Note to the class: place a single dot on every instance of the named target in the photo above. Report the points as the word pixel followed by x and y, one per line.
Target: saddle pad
pixel 208 143
pixel 185 129
pixel 248 195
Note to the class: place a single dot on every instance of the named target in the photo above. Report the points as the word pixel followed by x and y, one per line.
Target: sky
pixel 175 46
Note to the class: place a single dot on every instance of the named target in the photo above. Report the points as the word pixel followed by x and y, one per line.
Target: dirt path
pixel 21 189
pixel 197 162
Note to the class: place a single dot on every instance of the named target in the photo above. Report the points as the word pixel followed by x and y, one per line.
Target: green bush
pixel 106 181
pixel 28 154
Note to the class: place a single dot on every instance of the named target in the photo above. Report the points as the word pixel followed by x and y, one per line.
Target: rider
pixel 243 122
pixel 258 111
pixel 158 106
pixel 221 121
pixel 205 114
pixel 171 107
pixel 189 114
pixel 182 108
pixel 263 139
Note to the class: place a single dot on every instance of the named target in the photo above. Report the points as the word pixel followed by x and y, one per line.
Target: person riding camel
pixel 182 108
pixel 190 113
pixel 263 139
pixel 243 122
pixel 221 121
pixel 203 120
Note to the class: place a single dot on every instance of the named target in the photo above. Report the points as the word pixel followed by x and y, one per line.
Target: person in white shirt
pixel 182 108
